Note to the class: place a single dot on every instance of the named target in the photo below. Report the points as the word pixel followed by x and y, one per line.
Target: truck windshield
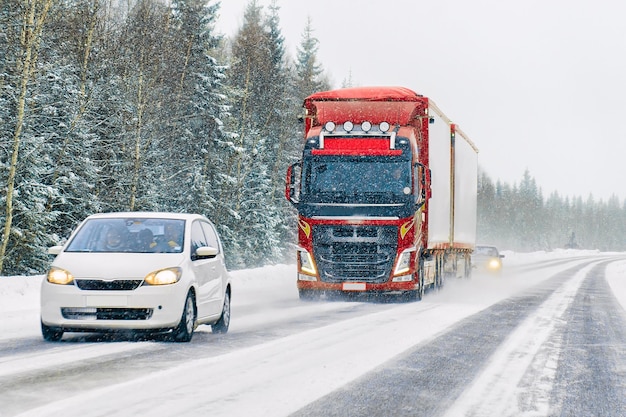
pixel 341 179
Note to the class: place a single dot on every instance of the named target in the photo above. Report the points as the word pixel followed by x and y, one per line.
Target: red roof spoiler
pixel 395 105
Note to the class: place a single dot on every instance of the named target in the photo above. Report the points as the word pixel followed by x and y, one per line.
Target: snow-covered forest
pixel 519 217
pixel 142 105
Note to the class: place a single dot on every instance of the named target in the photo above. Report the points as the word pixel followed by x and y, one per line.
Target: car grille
pixel 102 285
pixel 355 253
pixel 93 313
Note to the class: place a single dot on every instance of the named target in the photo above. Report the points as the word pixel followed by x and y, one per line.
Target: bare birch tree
pixel 33 20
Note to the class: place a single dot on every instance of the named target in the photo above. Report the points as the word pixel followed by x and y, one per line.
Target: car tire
pixel 184 331
pixel 221 326
pixel 51 334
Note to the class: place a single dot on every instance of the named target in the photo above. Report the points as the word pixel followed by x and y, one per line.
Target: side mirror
pixel 422 182
pixel 206 252
pixel 292 183
pixel 55 250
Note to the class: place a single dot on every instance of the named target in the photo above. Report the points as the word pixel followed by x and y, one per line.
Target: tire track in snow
pixel 532 349
pixel 58 356
pixel 428 379
pixel 591 378
pixel 271 379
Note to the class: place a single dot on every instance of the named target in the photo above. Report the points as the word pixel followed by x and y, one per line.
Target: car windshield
pixel 486 251
pixel 135 235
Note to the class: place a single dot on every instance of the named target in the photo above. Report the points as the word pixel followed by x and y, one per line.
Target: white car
pixel 152 272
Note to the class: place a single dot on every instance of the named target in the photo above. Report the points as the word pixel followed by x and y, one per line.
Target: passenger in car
pixel 170 241
pixel 114 240
pixel 173 237
pixel 145 237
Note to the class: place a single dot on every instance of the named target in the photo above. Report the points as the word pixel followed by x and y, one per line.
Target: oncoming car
pixel 137 271
pixel 487 258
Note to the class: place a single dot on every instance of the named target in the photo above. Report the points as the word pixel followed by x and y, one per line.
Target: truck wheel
pixel 308 295
pixel 184 331
pixel 420 278
pixel 468 267
pixel 51 334
pixel 420 291
pixel 221 326
pixel 418 294
pixel 409 296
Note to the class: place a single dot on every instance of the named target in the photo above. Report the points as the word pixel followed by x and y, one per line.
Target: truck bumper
pixel 356 286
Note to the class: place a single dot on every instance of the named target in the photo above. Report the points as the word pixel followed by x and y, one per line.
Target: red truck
pixel 385 193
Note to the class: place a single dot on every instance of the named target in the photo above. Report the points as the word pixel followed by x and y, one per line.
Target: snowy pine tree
pixel 258 77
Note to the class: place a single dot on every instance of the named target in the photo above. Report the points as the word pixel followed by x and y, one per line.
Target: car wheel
pixel 221 326
pixel 51 334
pixel 184 330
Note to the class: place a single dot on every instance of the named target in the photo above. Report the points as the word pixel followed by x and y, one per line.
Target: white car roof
pixel 147 214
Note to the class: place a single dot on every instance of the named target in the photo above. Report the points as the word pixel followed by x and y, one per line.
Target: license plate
pixel 354 286
pixel 106 301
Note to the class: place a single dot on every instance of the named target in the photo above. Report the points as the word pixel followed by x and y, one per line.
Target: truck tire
pixel 420 276
pixel 418 294
pixel 308 295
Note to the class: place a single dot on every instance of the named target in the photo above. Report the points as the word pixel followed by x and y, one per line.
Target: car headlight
pixel 404 262
pixel 59 276
pixel 494 264
pixel 165 276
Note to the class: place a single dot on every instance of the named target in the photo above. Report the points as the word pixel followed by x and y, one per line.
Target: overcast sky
pixel 536 84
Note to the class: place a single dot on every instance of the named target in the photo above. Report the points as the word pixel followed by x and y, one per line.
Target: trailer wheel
pixel 439 275
pixel 468 266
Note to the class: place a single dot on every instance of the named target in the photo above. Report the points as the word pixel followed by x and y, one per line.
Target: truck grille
pixel 102 285
pixel 355 253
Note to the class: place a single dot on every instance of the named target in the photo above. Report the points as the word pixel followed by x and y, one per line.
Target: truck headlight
pixel 306 262
pixel 404 262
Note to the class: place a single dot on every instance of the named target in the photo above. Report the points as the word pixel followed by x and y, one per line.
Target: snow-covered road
pixel 283 356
